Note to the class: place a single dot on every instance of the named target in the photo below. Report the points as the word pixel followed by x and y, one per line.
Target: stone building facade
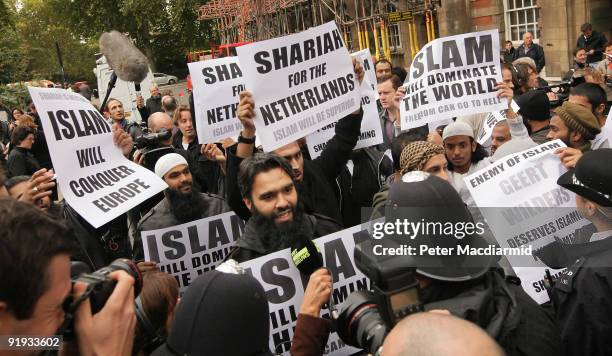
pixel 555 23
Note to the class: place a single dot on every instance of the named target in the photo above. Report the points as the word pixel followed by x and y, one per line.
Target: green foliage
pixel 163 29
pixel 14 96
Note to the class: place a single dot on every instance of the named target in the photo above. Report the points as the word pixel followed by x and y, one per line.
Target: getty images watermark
pixel 421 231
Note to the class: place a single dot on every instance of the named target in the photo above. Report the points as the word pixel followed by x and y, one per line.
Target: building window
pixel 521 16
pixel 395 37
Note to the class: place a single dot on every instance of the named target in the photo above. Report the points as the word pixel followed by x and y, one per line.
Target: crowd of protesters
pixel 284 196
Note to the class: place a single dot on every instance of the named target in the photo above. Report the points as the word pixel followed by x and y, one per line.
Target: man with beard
pixel 268 189
pixel 575 125
pixel 182 202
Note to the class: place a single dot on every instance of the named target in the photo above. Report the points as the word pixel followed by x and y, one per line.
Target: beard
pixel 279 236
pixel 185 206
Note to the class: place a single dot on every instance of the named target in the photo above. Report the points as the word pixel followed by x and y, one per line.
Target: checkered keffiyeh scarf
pixel 416 154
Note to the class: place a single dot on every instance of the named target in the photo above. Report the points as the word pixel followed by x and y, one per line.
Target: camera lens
pixel 129 266
pixel 359 323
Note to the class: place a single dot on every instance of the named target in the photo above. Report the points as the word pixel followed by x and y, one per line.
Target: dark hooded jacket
pixel 209 175
pixel 581 294
pixel 97 247
pixel 161 216
pixel 357 187
pixel 251 245
pixel 502 309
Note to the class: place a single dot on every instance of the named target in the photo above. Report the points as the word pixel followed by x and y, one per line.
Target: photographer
pixel 35 275
pixel 473 288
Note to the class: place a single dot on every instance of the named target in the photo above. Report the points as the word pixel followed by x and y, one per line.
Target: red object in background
pixel 189 85
pixel 215 51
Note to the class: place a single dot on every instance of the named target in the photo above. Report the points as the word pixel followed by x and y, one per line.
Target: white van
pixel 123 91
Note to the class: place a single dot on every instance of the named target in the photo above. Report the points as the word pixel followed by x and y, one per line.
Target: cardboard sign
pixel 299 83
pixel 217 84
pixel 519 197
pixel 453 76
pixel 186 251
pixel 94 177
pixel 284 286
pixel 371 131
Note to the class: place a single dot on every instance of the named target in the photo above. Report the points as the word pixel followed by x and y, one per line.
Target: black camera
pixel 99 288
pixel 150 140
pixel 149 144
pixel 366 317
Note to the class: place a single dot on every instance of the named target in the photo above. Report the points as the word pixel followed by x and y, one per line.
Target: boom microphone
pixel 306 256
pixel 123 57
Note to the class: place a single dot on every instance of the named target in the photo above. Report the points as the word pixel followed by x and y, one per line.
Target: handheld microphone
pixel 127 61
pixel 306 256
pixel 111 84
pixel 123 57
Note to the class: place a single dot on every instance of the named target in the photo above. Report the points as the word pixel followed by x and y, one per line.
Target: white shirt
pixel 459 185
pixel 603 139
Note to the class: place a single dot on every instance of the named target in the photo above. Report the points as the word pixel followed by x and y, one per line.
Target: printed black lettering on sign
pixel 194 240
pixel 477 50
pixel 269 275
pixel 221 73
pixel 298 52
pixel 69 124
pixel 177 248
pixel 237 226
pixel 217 234
pixel 337 260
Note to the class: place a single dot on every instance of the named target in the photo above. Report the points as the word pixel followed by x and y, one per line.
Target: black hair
pixel 382 60
pixel 400 72
pixel 576 50
pixel 593 92
pixel 395 80
pixel 13 181
pixel 259 163
pixel 29 239
pixel 402 140
pixel 586 27
pixel 19 134
pixel 520 76
pixel 478 155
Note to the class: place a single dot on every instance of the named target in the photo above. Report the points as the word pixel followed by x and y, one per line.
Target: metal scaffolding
pixel 256 20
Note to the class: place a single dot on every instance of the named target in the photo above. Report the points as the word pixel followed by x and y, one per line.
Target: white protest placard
pixel 186 251
pixel 519 197
pixel 93 175
pixel 217 84
pixel 491 120
pixel 299 83
pixel 453 76
pixel 285 286
pixel 371 131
